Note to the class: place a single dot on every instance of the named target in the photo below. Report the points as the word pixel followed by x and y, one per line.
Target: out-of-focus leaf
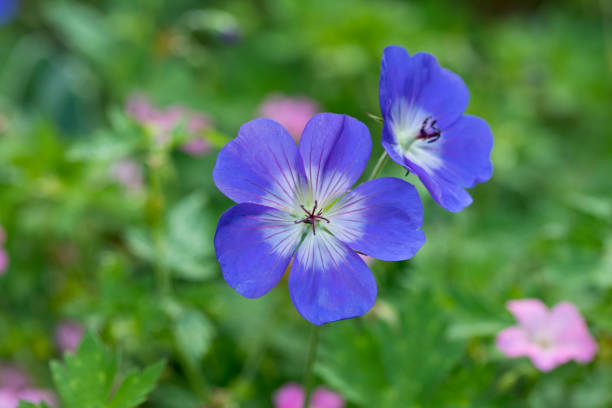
pixel 135 387
pixel 193 333
pixel 82 27
pixel 189 245
pixel 103 146
pixel 391 365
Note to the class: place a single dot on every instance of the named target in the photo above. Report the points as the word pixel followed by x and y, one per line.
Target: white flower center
pixel 416 134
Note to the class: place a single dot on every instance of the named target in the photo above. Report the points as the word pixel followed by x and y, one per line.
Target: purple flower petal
pixel 381 218
pixel 420 81
pixel 328 281
pixel 425 129
pixel 254 245
pixel 458 160
pixel 261 166
pixel 335 150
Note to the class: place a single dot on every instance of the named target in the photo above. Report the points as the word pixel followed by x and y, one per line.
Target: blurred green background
pixel 137 264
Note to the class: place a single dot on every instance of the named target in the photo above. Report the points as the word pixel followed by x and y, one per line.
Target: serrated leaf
pixel 86 377
pixel 135 387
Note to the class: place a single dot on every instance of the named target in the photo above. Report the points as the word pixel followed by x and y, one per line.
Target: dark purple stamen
pixel 429 131
pixel 311 217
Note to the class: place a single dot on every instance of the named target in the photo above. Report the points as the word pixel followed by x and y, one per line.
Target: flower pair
pixel 295 202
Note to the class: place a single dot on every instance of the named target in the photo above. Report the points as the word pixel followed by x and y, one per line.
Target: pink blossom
pixel 68 335
pixel 292 396
pixel 163 121
pixel 4 261
pixel 12 377
pixel 548 337
pixel 4 258
pixel 197 146
pixel 292 113
pixel 127 173
pixel 15 386
pixel 37 396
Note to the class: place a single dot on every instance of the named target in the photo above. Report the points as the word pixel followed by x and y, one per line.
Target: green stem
pixel 382 160
pixel 157 208
pixel 312 356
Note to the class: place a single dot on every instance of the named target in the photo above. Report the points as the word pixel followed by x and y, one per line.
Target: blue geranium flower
pixel 426 131
pixel 8 9
pixel 293 203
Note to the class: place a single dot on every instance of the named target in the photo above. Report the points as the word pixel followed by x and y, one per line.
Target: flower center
pixel 543 339
pixel 311 217
pixel 429 131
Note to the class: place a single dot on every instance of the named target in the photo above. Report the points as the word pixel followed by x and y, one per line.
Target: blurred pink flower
pixel 197 146
pixel 163 121
pixel 292 113
pixel 68 335
pixel 4 261
pixel 128 173
pixel 36 396
pixel 548 337
pixel 4 258
pixel 12 377
pixel 8 399
pixel 292 396
pixel 15 386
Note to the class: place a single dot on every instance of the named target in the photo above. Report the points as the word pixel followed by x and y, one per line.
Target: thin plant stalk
pixel 312 356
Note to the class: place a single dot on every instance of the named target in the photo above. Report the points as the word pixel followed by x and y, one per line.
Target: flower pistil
pixel 312 217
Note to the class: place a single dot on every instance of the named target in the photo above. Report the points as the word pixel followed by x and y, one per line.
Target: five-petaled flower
pixel 425 129
pixel 294 202
pixel 549 337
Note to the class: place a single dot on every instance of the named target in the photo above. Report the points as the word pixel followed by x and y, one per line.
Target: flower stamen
pixel 429 131
pixel 312 216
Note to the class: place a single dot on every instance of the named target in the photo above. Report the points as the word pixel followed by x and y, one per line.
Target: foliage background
pixel 84 248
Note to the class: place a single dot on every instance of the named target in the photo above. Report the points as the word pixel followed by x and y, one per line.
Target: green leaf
pixel 135 387
pixel 188 245
pixel 391 362
pixel 82 27
pixel 103 146
pixel 25 404
pixel 86 378
pixel 193 333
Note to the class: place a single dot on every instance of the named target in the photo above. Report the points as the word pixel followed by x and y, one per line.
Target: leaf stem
pixel 382 160
pixel 157 210
pixel 312 356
